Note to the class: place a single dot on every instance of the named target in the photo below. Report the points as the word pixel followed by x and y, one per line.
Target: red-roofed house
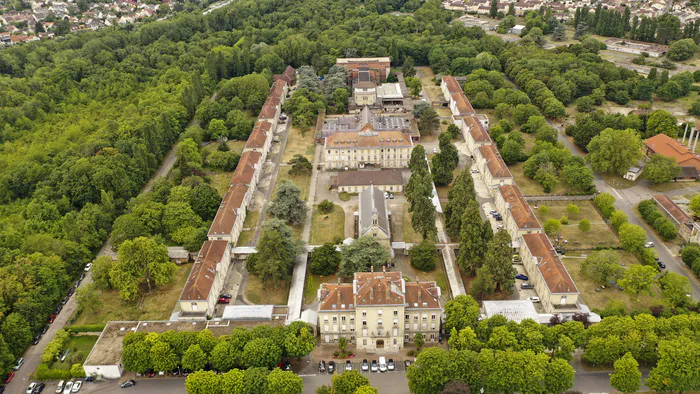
pixel 492 167
pixel 666 146
pixel 450 86
pixel 474 133
pixel 201 292
pixel 686 226
pixel 248 170
pixel 518 218
pixel 547 273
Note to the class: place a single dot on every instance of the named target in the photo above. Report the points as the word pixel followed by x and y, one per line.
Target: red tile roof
pixel 519 208
pixel 269 109
pixel 497 167
pixel 667 146
pixel 228 211
pixel 336 296
pixel 277 89
pixel 203 272
pixel 287 76
pixel 258 136
pixel 555 275
pixel 452 84
pixel 246 168
pixel 476 129
pixel 464 107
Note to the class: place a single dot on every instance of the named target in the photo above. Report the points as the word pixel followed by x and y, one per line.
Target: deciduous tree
pixel 362 254
pixel 614 151
pixel 141 261
pixel 287 204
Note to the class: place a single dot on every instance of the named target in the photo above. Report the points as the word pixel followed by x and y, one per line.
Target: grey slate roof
pixel 371 200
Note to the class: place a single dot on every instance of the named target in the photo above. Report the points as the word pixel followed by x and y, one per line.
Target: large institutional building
pixel 379 311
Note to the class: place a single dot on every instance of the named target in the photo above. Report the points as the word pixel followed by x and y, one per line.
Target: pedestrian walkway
pixel 296 289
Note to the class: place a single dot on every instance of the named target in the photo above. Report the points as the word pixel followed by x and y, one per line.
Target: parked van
pixel 382 364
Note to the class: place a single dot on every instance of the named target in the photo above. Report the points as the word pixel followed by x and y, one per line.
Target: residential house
pixel 666 146
pixel 201 292
pixel 518 217
pixel 547 273
pixel 357 181
pixel 379 311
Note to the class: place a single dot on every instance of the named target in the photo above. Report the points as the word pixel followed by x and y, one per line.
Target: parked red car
pixel 52 318
pixel 9 377
pixel 224 300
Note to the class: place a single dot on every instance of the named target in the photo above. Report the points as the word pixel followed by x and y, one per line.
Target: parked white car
pixel 68 388
pixel 534 299
pixel 649 244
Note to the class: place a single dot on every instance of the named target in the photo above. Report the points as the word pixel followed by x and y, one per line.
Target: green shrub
pixel 564 220
pixel 43 372
pixel 344 196
pixel 325 206
pixel 85 328
pixel 544 209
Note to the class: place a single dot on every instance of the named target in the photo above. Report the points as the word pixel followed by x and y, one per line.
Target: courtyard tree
pixel 87 298
pixel 499 260
pixel 552 227
pixel 419 340
pixel 326 206
pixel 288 205
pixel 423 216
pixel 299 340
pixel 277 252
pixel 614 151
pixel 483 285
pixel 141 261
pixel 362 254
pixel 430 372
pixel 429 122
pixel 661 122
pixel 324 260
pixel 472 247
pixel 300 165
pixel 423 256
pixel 458 197
pixel 584 225
pixel 602 266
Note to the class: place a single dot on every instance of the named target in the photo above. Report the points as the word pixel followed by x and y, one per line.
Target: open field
pixel 326 227
pixel 156 305
pixel 530 187
pixel 599 300
pixel 251 222
pixel 432 91
pixel 82 344
pixel 599 235
pixel 299 143
pixel 260 293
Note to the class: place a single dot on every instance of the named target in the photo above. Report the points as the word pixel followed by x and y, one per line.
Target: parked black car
pixel 36 340
pixel 39 387
pixel 128 383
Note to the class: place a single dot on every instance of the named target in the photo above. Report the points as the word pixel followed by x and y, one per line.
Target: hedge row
pixel 85 328
pixel 43 372
pixel 651 214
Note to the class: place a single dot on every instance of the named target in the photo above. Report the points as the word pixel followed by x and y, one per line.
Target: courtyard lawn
pixel 221 181
pixel 251 223
pixel 233 146
pixel 77 344
pixel 313 282
pixel 409 234
pixel 156 305
pixel 600 299
pixel 600 235
pixel 326 227
pixel 299 143
pixel 261 293
pixel 303 181
pixel 530 187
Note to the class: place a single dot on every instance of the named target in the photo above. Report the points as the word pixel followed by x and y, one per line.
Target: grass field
pixel 325 227
pixel 530 187
pixel 233 146
pixel 665 187
pixel 251 222
pixel 221 181
pixel 313 282
pixel 299 143
pixel 599 234
pixel 82 344
pixel 261 293
pixel 303 181
pixel 409 235
pixel 156 305
pixel 601 299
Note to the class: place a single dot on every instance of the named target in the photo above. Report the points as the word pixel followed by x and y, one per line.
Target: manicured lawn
pixel 251 223
pixel 299 143
pixel 262 293
pixel 156 305
pixel 313 282
pixel 326 227
pixel 530 187
pixel 82 344
pixel 599 300
pixel 233 146
pixel 599 234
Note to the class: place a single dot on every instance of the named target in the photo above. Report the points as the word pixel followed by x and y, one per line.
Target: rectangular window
pixel 364 342
pixel 432 337
pixel 379 321
pixel 364 313
pixel 379 312
pixel 396 312
pixel 194 306
pixel 431 317
pixel 395 342
pixel 408 317
pixel 364 323
pixel 335 319
pixel 342 318
pixel 425 316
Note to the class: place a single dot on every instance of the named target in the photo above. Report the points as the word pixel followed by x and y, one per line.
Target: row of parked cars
pixel 383 365
pixel 63 387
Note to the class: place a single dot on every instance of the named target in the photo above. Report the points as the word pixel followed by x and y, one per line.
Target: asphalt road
pixel 625 200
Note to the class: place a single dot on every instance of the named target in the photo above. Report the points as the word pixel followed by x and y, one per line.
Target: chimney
pixel 420 295
pixel 371 268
